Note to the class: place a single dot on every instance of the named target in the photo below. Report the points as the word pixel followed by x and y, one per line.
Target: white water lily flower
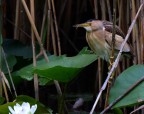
pixel 23 109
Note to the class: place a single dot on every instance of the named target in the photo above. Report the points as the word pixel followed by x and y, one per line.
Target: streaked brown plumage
pixel 99 37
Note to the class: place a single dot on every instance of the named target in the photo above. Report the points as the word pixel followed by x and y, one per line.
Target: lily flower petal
pixel 23 109
pixel 33 108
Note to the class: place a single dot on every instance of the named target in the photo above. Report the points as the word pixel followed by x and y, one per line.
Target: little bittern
pixel 99 37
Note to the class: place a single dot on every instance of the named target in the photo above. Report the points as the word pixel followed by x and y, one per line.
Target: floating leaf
pixel 2 99
pixel 64 69
pixel 59 68
pixel 27 72
pixel 45 81
pixel 22 98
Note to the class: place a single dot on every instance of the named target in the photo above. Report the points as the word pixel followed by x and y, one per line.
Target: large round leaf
pixel 62 74
pixel 64 69
pixel 27 72
pixel 125 81
pixel 20 99
pixel 59 68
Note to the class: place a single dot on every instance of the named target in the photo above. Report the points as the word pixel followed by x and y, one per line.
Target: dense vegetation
pixel 44 60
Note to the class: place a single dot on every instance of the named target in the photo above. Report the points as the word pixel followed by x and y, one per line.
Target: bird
pixel 99 37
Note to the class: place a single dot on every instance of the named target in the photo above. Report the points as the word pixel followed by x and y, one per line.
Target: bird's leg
pixel 110 80
pixel 111 62
pixel 112 52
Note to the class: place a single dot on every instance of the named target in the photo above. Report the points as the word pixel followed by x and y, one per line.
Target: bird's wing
pixel 109 27
pixel 118 42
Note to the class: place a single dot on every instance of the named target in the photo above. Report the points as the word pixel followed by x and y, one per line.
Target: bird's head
pixel 91 25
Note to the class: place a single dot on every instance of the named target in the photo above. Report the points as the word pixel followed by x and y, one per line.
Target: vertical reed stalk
pixel 109 10
pixel 103 9
pixel 44 19
pixel 39 41
pixel 99 60
pixel 10 76
pixel 53 37
pixel 56 28
pixel 35 30
pixel 36 86
pixel 100 77
pixel 16 19
pixel 4 86
pixel 52 30
pixel 112 54
pixel 142 33
pixel 96 9
pixel 134 32
pixel 49 26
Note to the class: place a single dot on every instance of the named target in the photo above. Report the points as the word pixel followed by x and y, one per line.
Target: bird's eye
pixel 89 23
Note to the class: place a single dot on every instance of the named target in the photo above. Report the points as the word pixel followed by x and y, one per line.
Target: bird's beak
pixel 82 25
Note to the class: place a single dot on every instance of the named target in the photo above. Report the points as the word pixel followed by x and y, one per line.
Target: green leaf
pixel 41 109
pixel 45 81
pixel 125 81
pixel 117 111
pixel 27 72
pixel 16 48
pixel 2 99
pixel 16 79
pixel 20 99
pixel 59 68
pixel 4 108
pixel 64 69
pixel 85 51
pixel 59 73
pixel 11 60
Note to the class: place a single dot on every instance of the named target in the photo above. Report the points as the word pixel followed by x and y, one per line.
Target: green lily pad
pixel 64 69
pixel 22 98
pixel 60 68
